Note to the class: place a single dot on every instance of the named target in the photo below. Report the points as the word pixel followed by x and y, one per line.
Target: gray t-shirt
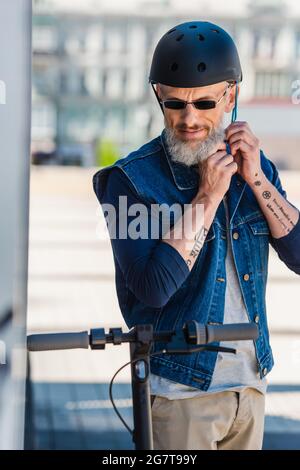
pixel 233 372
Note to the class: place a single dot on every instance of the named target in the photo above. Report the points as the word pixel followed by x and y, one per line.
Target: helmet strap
pixel 157 97
pixel 234 111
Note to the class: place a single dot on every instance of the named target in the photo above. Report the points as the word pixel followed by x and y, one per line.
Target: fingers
pixel 216 156
pixel 236 127
pixel 227 163
pixel 233 167
pixel 226 159
pixel 240 137
pixel 243 135
pixel 221 146
pixel 241 145
pixel 221 158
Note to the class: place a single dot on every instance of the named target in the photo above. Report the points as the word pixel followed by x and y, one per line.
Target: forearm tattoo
pixel 199 240
pixel 257 182
pixel 277 210
pixel 266 194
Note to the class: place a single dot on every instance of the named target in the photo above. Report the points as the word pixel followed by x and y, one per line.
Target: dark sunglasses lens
pixel 173 104
pixel 205 104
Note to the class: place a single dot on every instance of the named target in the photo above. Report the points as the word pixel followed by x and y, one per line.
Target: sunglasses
pixel 198 104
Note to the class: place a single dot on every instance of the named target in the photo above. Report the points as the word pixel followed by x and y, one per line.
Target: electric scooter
pixel 193 337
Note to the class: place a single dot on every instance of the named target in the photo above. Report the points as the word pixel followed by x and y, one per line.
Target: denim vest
pixel 158 179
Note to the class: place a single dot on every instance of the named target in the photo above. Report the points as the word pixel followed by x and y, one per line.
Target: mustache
pixel 186 128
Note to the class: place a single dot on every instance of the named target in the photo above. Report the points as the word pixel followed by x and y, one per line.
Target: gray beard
pixel 183 152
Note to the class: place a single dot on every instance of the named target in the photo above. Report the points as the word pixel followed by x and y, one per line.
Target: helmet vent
pixel 201 37
pixel 215 30
pixel 171 31
pixel 193 26
pixel 174 67
pixel 179 37
pixel 201 67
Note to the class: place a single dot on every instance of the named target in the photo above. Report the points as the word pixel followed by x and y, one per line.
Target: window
pixel 44 39
pixel 264 44
pixel 113 40
pixel 43 120
pixel 114 84
pixel 297 45
pixel 272 84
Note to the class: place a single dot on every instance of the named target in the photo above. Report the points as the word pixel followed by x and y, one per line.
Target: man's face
pixel 193 133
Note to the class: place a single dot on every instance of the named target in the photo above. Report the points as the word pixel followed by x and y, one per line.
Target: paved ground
pixel 71 287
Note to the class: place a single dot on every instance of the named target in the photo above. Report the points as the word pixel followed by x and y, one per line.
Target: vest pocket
pixel 260 231
pixel 259 227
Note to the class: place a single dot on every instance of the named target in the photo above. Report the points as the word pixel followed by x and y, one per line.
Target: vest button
pixel 246 277
pixel 235 235
pixel 256 318
pixel 265 371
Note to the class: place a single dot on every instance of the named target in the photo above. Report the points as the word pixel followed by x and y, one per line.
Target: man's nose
pixel 190 113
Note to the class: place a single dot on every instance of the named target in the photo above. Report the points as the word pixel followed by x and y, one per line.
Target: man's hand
pixel 280 214
pixel 216 173
pixel 245 150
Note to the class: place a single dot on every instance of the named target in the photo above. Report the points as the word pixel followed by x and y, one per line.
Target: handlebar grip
pixel 231 332
pixel 52 341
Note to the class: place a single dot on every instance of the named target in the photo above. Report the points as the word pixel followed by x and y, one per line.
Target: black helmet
pixel 195 54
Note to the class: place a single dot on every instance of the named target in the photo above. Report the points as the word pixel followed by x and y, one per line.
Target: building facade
pixel 91 62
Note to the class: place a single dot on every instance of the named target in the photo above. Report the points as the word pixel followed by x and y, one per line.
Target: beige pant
pixel 220 421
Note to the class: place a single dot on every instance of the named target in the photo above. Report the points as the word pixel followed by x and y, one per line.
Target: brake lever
pixel 198 349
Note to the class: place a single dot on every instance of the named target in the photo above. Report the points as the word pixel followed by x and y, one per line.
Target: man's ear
pixel 231 98
pixel 158 89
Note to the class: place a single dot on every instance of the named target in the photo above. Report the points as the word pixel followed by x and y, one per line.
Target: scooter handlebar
pixel 52 341
pixel 232 332
pixel 199 334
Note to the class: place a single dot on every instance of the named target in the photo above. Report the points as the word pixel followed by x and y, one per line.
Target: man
pixel 216 271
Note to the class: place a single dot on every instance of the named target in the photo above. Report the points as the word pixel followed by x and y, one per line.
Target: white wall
pixel 15 113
